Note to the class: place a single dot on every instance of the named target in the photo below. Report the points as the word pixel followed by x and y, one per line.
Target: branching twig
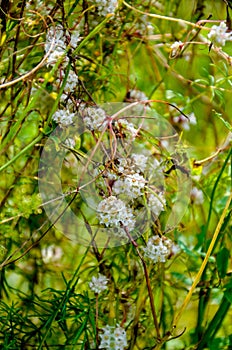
pixel 151 298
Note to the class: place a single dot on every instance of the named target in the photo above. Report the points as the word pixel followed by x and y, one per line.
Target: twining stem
pixel 166 18
pixel 32 71
pixel 150 294
pixel 204 263
pixel 148 285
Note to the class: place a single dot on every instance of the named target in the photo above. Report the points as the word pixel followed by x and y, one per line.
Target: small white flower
pixel 140 161
pixel 113 212
pixel 51 254
pixel 71 82
pixel 95 118
pixel 219 35
pixel 55 34
pixel 55 56
pixel 130 185
pixel 156 203
pixel 158 249
pixel 63 117
pixel 113 338
pixel 98 284
pixel 196 196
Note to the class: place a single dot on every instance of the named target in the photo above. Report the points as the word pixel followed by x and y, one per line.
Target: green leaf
pixel 228 294
pixel 222 260
pixel 173 95
pixel 201 81
pixel 220 96
pixel 227 124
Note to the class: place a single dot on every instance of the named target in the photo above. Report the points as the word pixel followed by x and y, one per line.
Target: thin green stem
pixel 204 296
pixel 204 263
pixel 215 323
pixel 151 298
pixel 21 153
pixel 214 191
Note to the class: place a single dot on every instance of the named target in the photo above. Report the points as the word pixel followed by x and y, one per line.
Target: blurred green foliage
pixel 45 301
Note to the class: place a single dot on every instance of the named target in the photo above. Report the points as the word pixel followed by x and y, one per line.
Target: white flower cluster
pixel 57 41
pixel 63 117
pixel 136 163
pixel 71 82
pixel 156 203
pixel 98 284
pixel 196 196
pixel 130 185
pixel 158 249
pixel 113 338
pixel 176 47
pixel 127 178
pixel 183 122
pixel 95 118
pixel 113 212
pixel 129 181
pixel 219 34
pixel 105 7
